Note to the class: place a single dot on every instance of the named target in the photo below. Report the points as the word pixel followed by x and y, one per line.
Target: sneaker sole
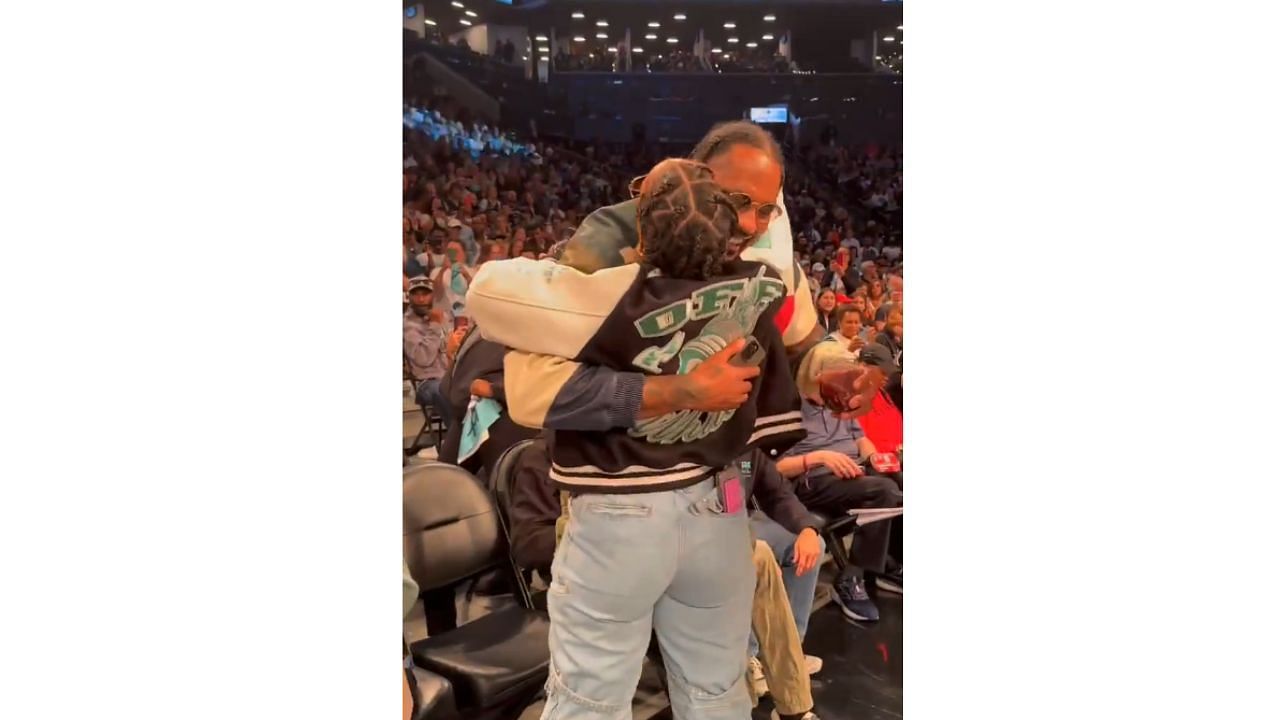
pixel 848 613
pixel 888 586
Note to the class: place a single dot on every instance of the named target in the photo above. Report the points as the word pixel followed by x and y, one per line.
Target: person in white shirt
pixel 451 281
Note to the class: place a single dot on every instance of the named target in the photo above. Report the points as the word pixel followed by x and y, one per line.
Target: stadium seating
pixel 498 663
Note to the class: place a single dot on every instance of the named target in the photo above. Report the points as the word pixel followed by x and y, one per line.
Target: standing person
pixel 424 347
pixel 658 500
pixel 451 281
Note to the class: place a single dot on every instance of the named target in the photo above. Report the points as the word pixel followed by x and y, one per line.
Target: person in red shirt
pixel 883 428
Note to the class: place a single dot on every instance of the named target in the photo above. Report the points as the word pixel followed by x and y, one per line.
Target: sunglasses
pixel 740 202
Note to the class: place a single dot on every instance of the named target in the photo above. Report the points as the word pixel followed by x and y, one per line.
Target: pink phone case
pixel 732 496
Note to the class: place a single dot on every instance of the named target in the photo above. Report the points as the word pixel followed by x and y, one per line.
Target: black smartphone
pixel 751 355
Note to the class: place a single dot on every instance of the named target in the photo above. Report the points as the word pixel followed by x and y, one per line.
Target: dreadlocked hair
pixel 685 220
pixel 726 135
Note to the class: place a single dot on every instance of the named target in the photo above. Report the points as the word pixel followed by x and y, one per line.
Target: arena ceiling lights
pixel 541 38
pixel 637 50
pixel 429 21
pixel 602 36
pixel 465 21
pixel 733 41
pixel 770 18
pixel 889 38
pixel 578 16
pixel 469 13
pixel 679 16
pixel 658 24
pixel 579 38
pixel 730 26
pixel 457 4
pixel 752 44
pixel 766 37
pixel 602 23
pixel 716 51
pixel 651 36
pixel 672 40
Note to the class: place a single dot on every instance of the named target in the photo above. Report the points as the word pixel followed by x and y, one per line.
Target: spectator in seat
pixel 891 335
pixel 875 293
pixel 826 305
pixel 830 481
pixel 779 611
pixel 883 430
pixel 849 327
pixel 424 346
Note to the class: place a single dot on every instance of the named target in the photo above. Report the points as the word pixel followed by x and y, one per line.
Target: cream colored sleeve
pixel 541 307
pixel 532 383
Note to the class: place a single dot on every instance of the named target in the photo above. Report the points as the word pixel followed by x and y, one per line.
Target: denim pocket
pixel 619 509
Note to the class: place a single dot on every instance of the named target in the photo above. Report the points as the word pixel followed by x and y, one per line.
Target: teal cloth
pixel 457 283
pixel 482 413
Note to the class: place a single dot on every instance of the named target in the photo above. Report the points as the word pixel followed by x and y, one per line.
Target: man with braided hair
pixel 658 537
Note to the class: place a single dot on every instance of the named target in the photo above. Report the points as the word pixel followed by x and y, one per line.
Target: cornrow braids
pixel 726 135
pixel 685 220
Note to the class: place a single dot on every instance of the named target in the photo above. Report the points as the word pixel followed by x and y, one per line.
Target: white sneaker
pixel 812 664
pixel 807 716
pixel 755 674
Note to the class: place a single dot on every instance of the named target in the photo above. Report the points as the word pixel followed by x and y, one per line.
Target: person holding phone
pixel 452 280
pixel 643 497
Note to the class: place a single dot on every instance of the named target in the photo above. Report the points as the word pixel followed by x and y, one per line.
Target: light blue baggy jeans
pixel 630 564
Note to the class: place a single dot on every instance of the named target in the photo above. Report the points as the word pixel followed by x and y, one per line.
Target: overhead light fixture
pixel 545 50
pixel 655 24
pixel 650 36
pixel 465 21
pixel 541 38
pixel 716 51
pixel 429 21
pixel 899 27
pixel 766 37
pixel 524 57
pixel 673 40
pixel 578 16
pixel 591 55
pixel 679 16
pixel 769 18
pixel 602 23
pixel 579 38
pixel 752 44
pixel 730 25
pixel 733 41
pixel 878 57
pixel 888 38
pixel 602 36
pixel 457 4
pixel 613 49
pixel 469 13
pixel 637 49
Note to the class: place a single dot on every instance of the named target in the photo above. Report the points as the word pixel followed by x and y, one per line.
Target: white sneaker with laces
pixel 812 664
pixel 773 714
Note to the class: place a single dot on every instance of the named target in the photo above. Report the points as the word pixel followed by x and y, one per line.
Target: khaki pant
pixel 780 656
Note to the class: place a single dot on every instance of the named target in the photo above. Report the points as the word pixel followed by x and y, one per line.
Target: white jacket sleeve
pixel 541 307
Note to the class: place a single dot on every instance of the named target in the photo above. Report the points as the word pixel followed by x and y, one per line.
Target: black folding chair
pixel 498 663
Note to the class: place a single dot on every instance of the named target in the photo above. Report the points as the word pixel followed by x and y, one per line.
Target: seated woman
pixel 643 497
